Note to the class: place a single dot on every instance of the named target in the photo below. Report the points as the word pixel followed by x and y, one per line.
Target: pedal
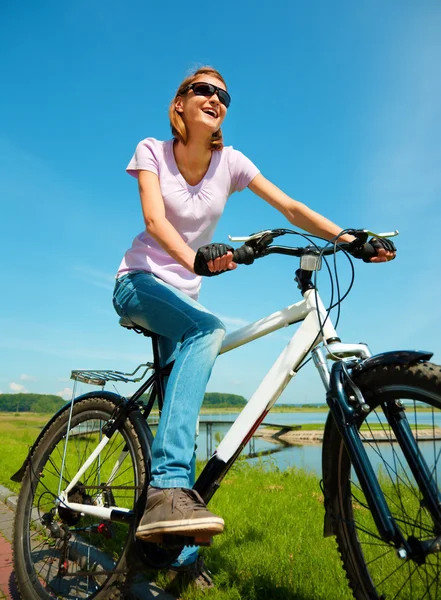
pixel 203 541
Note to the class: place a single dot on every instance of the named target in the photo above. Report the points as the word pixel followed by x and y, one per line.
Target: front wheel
pixel 63 554
pixel 374 569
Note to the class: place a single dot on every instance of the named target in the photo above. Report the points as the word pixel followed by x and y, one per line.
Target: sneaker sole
pixel 186 527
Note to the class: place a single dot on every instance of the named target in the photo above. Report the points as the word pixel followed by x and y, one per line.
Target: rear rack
pixel 102 377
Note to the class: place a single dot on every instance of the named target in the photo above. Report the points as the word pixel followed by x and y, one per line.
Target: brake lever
pixel 388 234
pixel 249 238
pixel 363 235
pixel 259 239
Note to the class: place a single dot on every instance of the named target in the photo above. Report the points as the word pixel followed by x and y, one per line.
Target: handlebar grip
pixel 244 255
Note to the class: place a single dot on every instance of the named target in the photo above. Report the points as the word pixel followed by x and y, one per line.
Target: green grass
pixel 272 546
pixel 17 433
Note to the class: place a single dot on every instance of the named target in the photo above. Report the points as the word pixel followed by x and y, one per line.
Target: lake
pixel 307 457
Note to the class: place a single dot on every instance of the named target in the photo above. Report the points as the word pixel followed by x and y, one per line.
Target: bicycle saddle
pixel 128 324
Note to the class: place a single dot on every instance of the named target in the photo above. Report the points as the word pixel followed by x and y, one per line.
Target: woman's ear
pixel 179 105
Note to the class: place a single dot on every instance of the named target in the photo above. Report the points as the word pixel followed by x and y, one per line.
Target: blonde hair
pixel 178 128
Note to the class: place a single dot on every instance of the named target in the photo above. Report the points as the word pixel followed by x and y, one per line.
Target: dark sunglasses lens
pixel 206 89
pixel 203 89
pixel 224 97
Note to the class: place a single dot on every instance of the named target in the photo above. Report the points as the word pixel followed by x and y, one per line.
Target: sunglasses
pixel 207 89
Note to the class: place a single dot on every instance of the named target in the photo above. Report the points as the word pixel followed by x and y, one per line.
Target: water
pixel 307 457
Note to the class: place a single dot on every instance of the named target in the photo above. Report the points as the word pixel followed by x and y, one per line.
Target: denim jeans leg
pixel 153 304
pixel 189 554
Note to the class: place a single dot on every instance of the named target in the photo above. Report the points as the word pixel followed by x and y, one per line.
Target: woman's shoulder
pixel 242 170
pixel 233 156
pixel 151 142
pixel 150 155
pixel 151 146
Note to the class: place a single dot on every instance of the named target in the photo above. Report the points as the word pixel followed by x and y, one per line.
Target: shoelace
pixel 187 499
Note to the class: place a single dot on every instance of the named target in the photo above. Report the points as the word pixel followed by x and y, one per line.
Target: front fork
pixel 346 417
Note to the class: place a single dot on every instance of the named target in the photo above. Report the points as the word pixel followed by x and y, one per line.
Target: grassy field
pixel 17 434
pixel 272 546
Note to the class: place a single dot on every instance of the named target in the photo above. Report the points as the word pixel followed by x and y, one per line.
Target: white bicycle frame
pixel 316 328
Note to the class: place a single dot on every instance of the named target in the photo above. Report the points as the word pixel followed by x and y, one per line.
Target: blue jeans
pixel 190 335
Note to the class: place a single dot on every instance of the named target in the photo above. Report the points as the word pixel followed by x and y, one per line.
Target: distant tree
pixel 41 403
pixel 218 400
pixel 221 400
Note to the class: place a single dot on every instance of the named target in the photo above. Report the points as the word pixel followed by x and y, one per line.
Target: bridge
pixel 208 424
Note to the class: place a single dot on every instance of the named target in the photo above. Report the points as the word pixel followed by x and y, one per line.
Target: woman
pixel 184 184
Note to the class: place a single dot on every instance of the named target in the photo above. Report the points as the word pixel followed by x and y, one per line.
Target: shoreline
pixel 301 438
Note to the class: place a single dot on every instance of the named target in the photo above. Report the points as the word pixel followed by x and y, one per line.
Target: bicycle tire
pixel 94 546
pixel 374 569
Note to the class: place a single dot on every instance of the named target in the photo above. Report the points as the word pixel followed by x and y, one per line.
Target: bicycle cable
pixel 340 298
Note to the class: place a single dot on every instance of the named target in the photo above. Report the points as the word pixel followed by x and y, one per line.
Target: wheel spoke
pixel 87 551
pixel 372 564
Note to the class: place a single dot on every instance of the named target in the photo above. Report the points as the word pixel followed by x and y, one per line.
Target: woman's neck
pixel 196 154
pixel 193 160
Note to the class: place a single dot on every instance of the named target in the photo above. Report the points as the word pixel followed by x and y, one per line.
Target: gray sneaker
pixel 176 511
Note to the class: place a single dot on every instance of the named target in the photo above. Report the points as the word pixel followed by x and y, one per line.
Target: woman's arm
pixel 301 216
pixel 157 224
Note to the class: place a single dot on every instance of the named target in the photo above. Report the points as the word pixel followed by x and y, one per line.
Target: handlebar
pixel 258 245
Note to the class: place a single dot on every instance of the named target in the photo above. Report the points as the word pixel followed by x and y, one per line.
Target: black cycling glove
pixel 370 249
pixel 207 253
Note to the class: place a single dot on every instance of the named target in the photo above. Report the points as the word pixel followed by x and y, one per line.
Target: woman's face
pixel 202 113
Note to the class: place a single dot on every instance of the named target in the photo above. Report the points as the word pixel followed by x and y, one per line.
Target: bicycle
pixel 84 480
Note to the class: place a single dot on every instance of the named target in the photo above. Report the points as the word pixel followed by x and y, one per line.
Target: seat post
pixel 157 366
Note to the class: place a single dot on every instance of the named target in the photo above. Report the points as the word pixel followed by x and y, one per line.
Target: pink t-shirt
pixel 193 210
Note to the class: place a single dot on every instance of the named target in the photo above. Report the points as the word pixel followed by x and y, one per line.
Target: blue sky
pixel 337 103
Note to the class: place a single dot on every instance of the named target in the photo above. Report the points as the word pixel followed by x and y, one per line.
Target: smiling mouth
pixel 210 112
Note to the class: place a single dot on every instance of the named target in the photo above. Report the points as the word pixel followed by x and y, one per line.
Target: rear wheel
pixel 60 553
pixel 374 569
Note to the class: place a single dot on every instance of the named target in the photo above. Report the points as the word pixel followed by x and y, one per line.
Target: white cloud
pixel 17 388
pixel 66 394
pixel 25 377
pixel 95 277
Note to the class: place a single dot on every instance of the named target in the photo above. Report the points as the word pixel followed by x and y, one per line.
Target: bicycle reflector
pixel 311 262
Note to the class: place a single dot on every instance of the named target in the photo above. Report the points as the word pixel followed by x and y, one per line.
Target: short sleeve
pixel 242 170
pixel 145 158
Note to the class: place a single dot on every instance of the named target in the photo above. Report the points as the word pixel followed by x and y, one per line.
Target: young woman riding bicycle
pixel 184 184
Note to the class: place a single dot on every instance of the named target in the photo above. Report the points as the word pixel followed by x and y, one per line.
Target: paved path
pixel 8 588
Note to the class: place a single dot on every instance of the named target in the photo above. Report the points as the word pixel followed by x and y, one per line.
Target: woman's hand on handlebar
pixel 214 259
pixel 385 250
pixel 376 250
pixel 222 263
